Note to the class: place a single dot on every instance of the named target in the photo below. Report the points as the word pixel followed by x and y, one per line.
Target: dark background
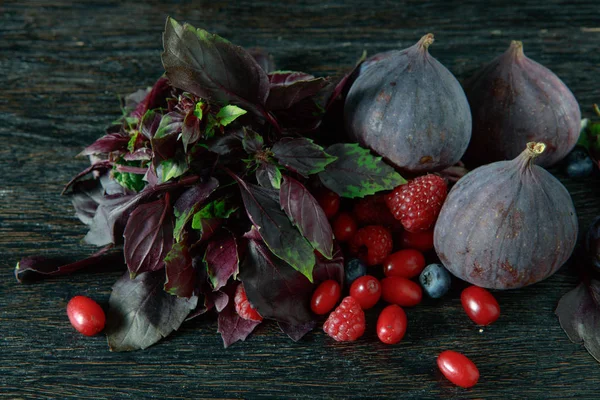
pixel 62 66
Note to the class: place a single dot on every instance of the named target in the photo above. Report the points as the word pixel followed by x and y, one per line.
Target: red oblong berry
pixel 86 315
pixel 366 290
pixel 243 307
pixel 480 305
pixel 422 241
pixel 401 291
pixel 329 202
pixel 391 324
pixel 325 297
pixel 407 263
pixel 458 368
pixel 344 227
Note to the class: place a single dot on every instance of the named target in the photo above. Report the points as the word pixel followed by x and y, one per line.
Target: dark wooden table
pixel 62 65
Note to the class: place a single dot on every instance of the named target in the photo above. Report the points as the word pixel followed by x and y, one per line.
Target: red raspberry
pixel 372 244
pixel 243 306
pixel 347 322
pixel 417 204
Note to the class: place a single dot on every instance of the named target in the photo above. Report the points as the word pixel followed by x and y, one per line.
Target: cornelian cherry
pixel 422 241
pixel 344 227
pixel 86 315
pixel 329 202
pixel 366 290
pixel 401 291
pixel 407 263
pixel 391 324
pixel 480 305
pixel 325 297
pixel 458 369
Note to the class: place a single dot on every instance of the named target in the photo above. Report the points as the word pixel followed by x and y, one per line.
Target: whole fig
pixel 507 224
pixel 514 100
pixel 410 109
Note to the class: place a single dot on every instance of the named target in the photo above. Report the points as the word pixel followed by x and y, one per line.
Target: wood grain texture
pixel 62 65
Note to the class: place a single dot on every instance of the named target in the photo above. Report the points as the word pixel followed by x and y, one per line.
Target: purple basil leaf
pixel 148 236
pixel 212 68
pixel 357 173
pixel 38 267
pixel 181 275
pixel 97 166
pixel 252 141
pixel 288 88
pixel 196 195
pixel 107 144
pixel 579 315
pixel 141 154
pixel 263 58
pixel 297 332
pixel 274 288
pixel 301 155
pixel 110 219
pixel 155 98
pixel 141 313
pixel 221 259
pixel 231 326
pixel 150 124
pixel 330 269
pixel 284 240
pixel 225 145
pixel 86 197
pixel 218 300
pixel 305 212
pixel 268 176
pixel 190 130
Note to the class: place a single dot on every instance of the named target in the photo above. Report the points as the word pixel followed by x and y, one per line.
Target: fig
pixel 514 100
pixel 507 224
pixel 407 107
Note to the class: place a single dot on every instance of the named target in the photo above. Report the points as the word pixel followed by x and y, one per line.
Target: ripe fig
pixel 507 224
pixel 410 109
pixel 514 100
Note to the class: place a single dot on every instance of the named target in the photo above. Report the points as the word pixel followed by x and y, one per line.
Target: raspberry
pixel 417 204
pixel 372 244
pixel 372 210
pixel 243 306
pixel 347 322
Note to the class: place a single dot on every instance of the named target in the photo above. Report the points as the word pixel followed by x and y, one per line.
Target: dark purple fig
pixel 514 100
pixel 507 224
pixel 592 243
pixel 410 109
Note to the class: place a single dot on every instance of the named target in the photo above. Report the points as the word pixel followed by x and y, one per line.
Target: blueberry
pixel 354 270
pixel 435 280
pixel 579 163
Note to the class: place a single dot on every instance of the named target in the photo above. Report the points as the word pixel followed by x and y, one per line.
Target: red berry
pixel 391 324
pixel 480 305
pixel 86 315
pixel 401 291
pixel 243 306
pixel 325 297
pixel 372 210
pixel 422 241
pixel 329 202
pixel 344 227
pixel 366 290
pixel 407 263
pixel 458 369
pixel 417 204
pixel 372 244
pixel 347 322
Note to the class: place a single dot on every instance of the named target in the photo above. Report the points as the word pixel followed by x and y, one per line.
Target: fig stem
pixel 516 48
pixel 426 41
pixel 534 149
